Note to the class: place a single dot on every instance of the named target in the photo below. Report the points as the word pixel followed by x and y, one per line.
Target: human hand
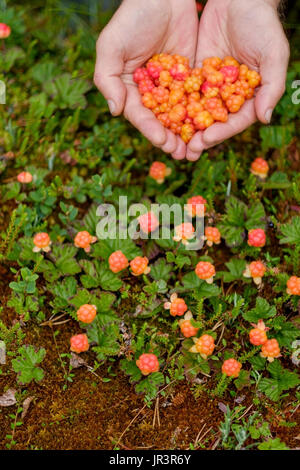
pixel 138 30
pixel 251 33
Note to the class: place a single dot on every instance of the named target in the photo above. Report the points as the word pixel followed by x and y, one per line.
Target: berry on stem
pixel 270 349
pixel 41 242
pixel 231 367
pixel 186 327
pixel 117 261
pixel 84 240
pixel 139 265
pixel 148 222
pixel 256 270
pixel 257 237
pixel 212 236
pixel 257 335
pixel 25 177
pixel 204 345
pixel 184 232
pixel 79 343
pixel 196 206
pixel 87 313
pixel 205 271
pixel 260 167
pixel 177 306
pixel 159 171
pixel 147 363
pixel 293 285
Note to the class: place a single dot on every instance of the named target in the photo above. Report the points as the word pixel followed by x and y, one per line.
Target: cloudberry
pixel 187 132
pixel 177 306
pixel 212 235
pixel 230 73
pixel 192 84
pixel 175 96
pixel 270 349
pixel 227 90
pixel 146 86
pixel 193 109
pixel 164 119
pixel 140 74
pixel 215 79
pixel 260 167
pixel 257 335
pixel 149 101
pixel 257 237
pixel 165 78
pixel 214 62
pixel 159 171
pixel 84 240
pixel 243 88
pixel 148 222
pixel 186 327
pixel 147 363
pixel 195 96
pixel 209 90
pixel 293 285
pixel 256 270
pixel 154 69
pixel 24 177
pixel 176 127
pixel 117 261
pixel 243 72
pixel 41 242
pixel 220 114
pixel 196 206
pixel 228 60
pixel 87 313
pixel 204 345
pixel 79 343
pixel 203 120
pixel 205 271
pixel 234 103
pixel 161 94
pixel 184 232
pixel 139 265
pixel 253 78
pixel 231 367
pixel 177 113
pixel 179 72
pixel 4 31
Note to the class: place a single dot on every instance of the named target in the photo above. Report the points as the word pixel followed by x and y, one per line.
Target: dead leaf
pixel 222 407
pixel 77 361
pixel 8 398
pixel 25 406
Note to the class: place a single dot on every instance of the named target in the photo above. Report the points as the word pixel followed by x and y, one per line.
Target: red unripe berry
pixel 293 285
pixel 140 74
pixel 148 363
pixel 117 261
pixel 146 86
pixel 257 237
pixel 270 349
pixel 139 265
pixel 87 313
pixel 230 73
pixel 4 31
pixel 205 271
pixel 209 90
pixel 231 367
pixel 154 69
pixel 25 177
pixel 148 222
pixel 196 206
pixel 260 167
pixel 79 343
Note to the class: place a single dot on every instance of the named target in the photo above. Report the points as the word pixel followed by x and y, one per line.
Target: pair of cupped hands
pixel 248 30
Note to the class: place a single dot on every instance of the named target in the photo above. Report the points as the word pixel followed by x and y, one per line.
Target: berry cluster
pixel 147 363
pixel 186 100
pixel 84 240
pixel 293 285
pixel 258 337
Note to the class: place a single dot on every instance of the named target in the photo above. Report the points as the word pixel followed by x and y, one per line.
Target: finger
pixel 196 145
pixel 236 123
pixel 108 69
pixel 143 119
pixel 180 152
pixel 192 156
pixel 171 143
pixel 273 68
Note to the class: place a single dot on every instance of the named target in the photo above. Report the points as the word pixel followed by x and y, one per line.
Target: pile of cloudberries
pixel 186 100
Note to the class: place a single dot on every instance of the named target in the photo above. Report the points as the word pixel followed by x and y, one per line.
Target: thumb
pixel 273 70
pixel 108 69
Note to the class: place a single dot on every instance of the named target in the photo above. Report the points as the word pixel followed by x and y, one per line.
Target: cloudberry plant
pixel 147 363
pixel 270 349
pixel 293 285
pixel 212 236
pixel 177 306
pixel 84 240
pixel 256 270
pixel 257 237
pixel 41 242
pixel 204 345
pixel 87 313
pixel 184 232
pixel 205 271
pixel 159 171
pixel 148 222
pixel 24 177
pixel 117 261
pixel 260 167
pixel 231 367
pixel 258 335
pixel 79 343
pixel 139 265
pixel 196 206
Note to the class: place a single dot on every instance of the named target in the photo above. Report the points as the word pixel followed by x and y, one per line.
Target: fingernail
pixel 112 106
pixel 268 115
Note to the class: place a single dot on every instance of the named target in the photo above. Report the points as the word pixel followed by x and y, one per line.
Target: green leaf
pixel 25 364
pixel 243 380
pixel 150 385
pixel 282 379
pixel 203 289
pixel 275 136
pixel 236 268
pixel 285 332
pixel 273 444
pixel 291 232
pixel 65 261
pixel 161 270
pixel 263 310
pixel 67 92
pixel 104 248
pixel 255 216
pixel 130 368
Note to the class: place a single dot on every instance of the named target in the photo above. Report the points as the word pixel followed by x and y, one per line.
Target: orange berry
pixel 84 240
pixel 24 177
pixel 230 61
pixel 293 285
pixel 193 109
pixel 165 78
pixel 235 102
pixel 205 271
pixel 42 242
pixel 212 235
pixel 139 265
pixel 178 307
pixel 260 167
pixel 187 329
pixel 209 90
pixel 270 349
pixel 243 72
pixel 257 269
pixel 79 343
pixel 227 90
pixel 160 94
pixel 184 232
pixel 257 237
pixel 187 132
pixel 177 113
pixel 117 261
pixel 87 313
pixel 192 84
pixel 149 101
pixel 164 119
pixel 214 62
pixel 196 206
pixel 231 367
pixel 205 345
pixel 220 114
pixel 158 171
pixel 253 78
pixel 203 120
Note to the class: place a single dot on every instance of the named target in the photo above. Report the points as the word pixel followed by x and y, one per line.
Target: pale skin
pixel 248 30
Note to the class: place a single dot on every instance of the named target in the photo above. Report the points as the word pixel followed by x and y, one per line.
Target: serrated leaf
pixel 160 270
pixel 291 232
pixel 203 289
pixel 236 268
pixel 262 310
